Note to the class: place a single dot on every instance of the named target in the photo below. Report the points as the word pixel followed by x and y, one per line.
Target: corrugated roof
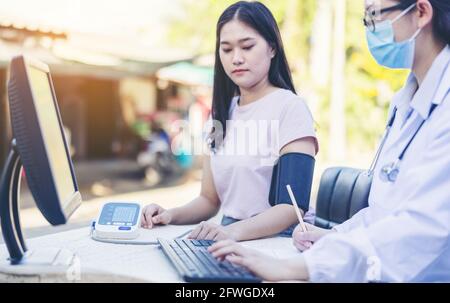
pixel 91 55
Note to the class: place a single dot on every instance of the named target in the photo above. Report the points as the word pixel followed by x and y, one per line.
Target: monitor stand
pixel 10 222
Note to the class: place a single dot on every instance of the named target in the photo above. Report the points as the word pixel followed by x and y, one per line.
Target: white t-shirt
pixel 242 166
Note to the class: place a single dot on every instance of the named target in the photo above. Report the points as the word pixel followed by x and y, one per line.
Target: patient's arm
pixel 205 206
pixel 268 223
pixel 279 217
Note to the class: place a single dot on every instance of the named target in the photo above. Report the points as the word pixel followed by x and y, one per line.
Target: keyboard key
pixel 213 262
pixel 196 243
pixel 195 259
pixel 205 257
pixel 206 242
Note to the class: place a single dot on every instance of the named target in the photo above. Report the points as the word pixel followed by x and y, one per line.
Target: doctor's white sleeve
pixel 401 246
pixel 358 220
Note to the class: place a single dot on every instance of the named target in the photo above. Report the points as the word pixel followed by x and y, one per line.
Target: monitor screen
pixel 51 132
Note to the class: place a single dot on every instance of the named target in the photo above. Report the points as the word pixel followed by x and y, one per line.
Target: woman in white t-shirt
pixel 257 117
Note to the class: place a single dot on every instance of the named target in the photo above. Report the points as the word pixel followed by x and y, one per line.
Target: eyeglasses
pixel 373 15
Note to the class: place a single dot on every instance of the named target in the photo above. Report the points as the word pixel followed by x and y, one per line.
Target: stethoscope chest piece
pixel 389 172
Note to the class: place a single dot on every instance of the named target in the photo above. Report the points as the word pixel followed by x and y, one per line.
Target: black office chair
pixel 342 193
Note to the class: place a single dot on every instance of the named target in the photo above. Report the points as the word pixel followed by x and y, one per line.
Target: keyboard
pixel 195 264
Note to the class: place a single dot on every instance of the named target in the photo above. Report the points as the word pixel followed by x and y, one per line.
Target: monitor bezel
pixel 55 214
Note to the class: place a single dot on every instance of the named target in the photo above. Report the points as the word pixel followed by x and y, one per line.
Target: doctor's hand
pixel 260 264
pixel 211 231
pixel 304 240
pixel 154 214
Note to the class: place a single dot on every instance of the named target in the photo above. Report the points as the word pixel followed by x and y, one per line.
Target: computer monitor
pixel 40 146
pixel 41 143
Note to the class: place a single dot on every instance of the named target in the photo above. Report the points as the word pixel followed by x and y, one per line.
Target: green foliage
pixel 370 86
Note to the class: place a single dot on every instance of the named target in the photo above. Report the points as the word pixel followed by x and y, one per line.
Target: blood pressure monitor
pixel 118 220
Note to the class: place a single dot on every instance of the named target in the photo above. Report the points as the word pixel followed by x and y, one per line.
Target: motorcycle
pixel 156 159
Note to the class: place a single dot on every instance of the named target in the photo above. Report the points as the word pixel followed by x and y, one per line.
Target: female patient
pixel 257 118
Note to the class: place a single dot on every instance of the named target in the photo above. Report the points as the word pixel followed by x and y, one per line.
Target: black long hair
pixel 441 18
pixel 259 17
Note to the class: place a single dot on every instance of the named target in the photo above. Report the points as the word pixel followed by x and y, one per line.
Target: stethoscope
pixel 390 171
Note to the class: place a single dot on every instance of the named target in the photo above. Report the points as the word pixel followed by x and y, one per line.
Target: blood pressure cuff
pixel 296 169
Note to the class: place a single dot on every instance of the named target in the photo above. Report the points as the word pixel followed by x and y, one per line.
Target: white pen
pixel 297 210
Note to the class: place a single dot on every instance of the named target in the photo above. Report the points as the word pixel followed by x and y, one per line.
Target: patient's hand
pixel 304 240
pixel 211 231
pixel 154 214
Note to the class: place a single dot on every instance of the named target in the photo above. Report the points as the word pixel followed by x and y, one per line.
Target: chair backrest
pixel 343 191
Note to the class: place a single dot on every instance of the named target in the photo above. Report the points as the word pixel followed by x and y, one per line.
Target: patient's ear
pixel 273 52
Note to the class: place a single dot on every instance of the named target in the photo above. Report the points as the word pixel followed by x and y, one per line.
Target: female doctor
pixel 404 233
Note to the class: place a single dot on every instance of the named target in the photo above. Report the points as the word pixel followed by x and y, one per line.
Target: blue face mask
pixel 385 50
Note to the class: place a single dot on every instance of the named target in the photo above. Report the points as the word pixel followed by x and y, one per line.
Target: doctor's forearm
pixel 268 223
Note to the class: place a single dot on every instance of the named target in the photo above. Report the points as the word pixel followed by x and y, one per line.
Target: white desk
pixel 103 262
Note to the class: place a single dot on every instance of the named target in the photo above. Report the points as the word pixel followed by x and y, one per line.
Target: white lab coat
pixel 404 234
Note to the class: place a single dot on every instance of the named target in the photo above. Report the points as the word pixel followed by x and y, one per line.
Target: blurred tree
pixel 196 28
pixel 338 89
pixel 370 87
